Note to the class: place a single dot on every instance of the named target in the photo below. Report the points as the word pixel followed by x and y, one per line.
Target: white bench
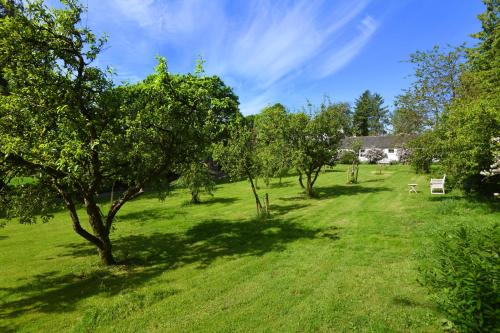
pixel 437 185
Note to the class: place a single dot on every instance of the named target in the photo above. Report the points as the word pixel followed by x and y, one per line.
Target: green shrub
pixel 347 157
pixel 462 273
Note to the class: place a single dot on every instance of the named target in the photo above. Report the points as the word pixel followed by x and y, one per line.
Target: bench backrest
pixel 438 181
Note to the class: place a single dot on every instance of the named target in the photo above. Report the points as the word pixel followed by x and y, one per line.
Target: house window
pixel 391 151
pixel 361 152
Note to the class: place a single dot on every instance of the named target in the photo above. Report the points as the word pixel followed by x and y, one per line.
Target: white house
pixel 390 144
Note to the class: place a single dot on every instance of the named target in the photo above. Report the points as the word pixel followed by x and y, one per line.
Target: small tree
pixel 272 131
pixel 238 157
pixel 197 178
pixel 315 138
pixel 423 150
pixel 352 172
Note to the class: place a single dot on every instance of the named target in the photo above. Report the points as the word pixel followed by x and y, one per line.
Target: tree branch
pixel 68 201
pixel 18 160
pixel 316 176
pixel 130 194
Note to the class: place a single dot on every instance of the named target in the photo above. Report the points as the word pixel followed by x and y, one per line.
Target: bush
pixel 347 157
pixel 463 274
pixel 404 155
pixel 374 155
pixel 197 178
pixel 423 151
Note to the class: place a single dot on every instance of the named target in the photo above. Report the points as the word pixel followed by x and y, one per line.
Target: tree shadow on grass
pixel 284 183
pixel 294 198
pixel 3 237
pixel 8 329
pixel 149 214
pixel 408 302
pixel 148 256
pixel 279 210
pixel 375 180
pixel 325 192
pixel 405 301
pixel 450 201
pixel 213 201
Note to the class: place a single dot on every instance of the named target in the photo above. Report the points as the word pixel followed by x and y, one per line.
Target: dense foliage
pixel 422 151
pixel 409 116
pixel 463 275
pixel 347 157
pixel 462 89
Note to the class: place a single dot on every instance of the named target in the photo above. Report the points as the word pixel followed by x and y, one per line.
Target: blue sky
pixel 281 51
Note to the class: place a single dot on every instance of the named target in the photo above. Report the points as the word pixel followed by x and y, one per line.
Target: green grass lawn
pixel 346 261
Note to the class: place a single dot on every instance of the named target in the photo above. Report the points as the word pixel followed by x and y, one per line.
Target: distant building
pixel 390 144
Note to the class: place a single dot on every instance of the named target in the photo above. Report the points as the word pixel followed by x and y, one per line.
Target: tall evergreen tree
pixel 370 115
pixel 362 114
pixel 379 115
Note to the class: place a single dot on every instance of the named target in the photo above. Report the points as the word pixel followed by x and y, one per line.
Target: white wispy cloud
pixel 261 45
pixel 342 57
pixel 280 41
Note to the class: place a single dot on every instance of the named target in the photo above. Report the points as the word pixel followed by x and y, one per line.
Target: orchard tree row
pixel 74 133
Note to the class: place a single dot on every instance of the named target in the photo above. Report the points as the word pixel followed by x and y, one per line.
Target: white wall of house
pixel 392 155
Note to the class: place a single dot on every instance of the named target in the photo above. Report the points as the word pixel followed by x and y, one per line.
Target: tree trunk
pixel 258 205
pixel 100 231
pixel 267 204
pixel 195 197
pixel 105 252
pixel 311 179
pixel 356 174
pixel 309 186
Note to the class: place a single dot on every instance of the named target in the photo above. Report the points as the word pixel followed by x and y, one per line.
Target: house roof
pixel 385 141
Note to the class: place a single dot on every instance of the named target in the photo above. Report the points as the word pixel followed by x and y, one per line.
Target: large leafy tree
pixel 315 137
pixel 409 117
pixel 65 125
pixel 370 115
pixel 436 80
pixel 464 99
pixel 473 118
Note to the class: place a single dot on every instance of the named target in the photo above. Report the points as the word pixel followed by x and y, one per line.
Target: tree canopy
pixel 65 124
pixel 272 131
